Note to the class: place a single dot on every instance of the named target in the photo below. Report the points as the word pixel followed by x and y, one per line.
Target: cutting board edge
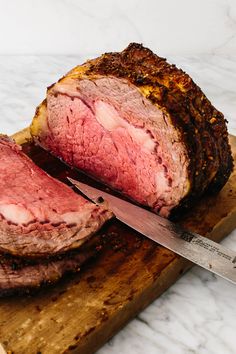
pixel 222 229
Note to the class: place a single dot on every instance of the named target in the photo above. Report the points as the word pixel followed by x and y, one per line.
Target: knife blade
pixel 192 246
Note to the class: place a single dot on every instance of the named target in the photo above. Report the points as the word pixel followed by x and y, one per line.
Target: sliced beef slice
pixel 140 125
pixel 19 276
pixel 38 214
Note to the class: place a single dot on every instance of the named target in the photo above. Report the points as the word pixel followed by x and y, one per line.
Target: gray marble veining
pixel 72 26
pixel 198 313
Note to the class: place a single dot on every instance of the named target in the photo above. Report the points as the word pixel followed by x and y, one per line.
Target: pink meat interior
pixel 106 128
pixel 28 195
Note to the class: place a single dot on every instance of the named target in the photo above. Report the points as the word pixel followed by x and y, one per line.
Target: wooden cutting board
pixel 81 312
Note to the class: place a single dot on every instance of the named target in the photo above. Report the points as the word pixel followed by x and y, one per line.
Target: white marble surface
pixel 79 26
pixel 41 40
pixel 198 313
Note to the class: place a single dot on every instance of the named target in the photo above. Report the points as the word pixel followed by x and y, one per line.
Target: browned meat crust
pixel 20 276
pixel 202 126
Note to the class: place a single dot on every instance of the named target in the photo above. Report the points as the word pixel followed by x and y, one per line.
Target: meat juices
pixel 139 125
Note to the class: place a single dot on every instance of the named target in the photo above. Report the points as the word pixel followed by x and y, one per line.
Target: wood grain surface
pixel 84 310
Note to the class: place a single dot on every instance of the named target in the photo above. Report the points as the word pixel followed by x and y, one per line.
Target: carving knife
pixel 198 249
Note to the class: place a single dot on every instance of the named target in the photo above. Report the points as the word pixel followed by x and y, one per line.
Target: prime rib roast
pixel 19 275
pixel 40 215
pixel 133 122
pixel 42 223
pixel 139 125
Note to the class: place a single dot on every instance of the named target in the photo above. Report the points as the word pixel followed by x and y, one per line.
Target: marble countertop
pixel 198 313
pixel 69 26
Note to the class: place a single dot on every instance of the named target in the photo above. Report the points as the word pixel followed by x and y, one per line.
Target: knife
pixel 198 249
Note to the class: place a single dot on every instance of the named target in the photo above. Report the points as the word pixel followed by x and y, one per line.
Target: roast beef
pixel 18 275
pixel 38 214
pixel 140 125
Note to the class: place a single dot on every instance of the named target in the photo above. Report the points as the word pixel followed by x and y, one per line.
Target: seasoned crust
pixel 202 128
pixel 22 276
